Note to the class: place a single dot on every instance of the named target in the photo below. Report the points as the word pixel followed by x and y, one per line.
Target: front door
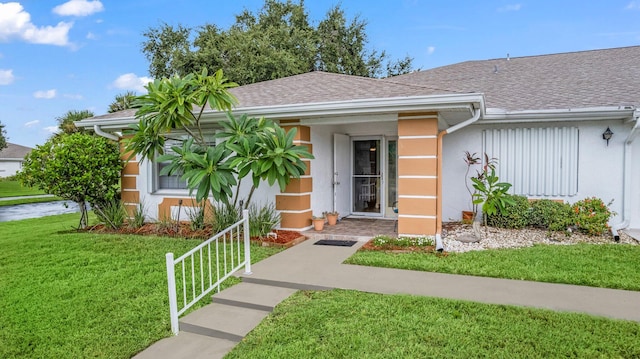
pixel 367 176
pixel 341 174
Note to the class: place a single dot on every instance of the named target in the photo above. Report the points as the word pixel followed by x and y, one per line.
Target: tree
pixel 252 146
pixel 78 167
pixel 122 101
pixel 275 42
pixel 3 137
pixel 66 121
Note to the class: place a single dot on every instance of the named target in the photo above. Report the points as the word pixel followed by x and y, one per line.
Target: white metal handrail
pixel 196 267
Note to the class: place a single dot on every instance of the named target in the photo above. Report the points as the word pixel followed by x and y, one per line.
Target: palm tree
pixel 122 101
pixel 66 122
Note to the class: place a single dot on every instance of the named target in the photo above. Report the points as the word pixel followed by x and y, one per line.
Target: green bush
pixel 551 215
pixel 139 216
pixel 112 213
pixel 196 217
pixel 262 220
pixel 224 216
pixel 515 215
pixel 592 216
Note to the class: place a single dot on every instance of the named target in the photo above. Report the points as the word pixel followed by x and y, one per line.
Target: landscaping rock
pixel 468 238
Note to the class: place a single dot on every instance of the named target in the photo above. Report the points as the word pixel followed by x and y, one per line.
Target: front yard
pixel 350 324
pixel 65 294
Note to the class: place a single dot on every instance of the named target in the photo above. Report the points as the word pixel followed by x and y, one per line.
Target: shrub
pixel 224 216
pixel 551 215
pixel 139 216
pixel 591 216
pixel 515 215
pixel 197 217
pixel 113 213
pixel 262 220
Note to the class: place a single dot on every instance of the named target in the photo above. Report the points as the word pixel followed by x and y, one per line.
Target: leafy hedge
pixel 589 216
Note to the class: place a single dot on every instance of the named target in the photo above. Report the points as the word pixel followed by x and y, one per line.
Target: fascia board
pixel 494 116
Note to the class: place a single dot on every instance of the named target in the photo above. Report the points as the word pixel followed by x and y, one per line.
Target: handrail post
pixel 173 300
pixel 247 247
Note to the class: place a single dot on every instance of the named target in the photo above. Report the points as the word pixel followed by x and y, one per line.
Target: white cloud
pixel 131 82
pixel 431 50
pixel 52 129
pixel 634 5
pixel 73 96
pixel 510 7
pixel 91 36
pixel 16 23
pixel 48 94
pixel 31 123
pixel 78 8
pixel 6 77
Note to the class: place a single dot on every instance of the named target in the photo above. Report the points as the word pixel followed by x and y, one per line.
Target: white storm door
pixel 341 174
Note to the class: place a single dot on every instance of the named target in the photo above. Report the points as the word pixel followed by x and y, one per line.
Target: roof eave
pixel 319 109
pixel 602 113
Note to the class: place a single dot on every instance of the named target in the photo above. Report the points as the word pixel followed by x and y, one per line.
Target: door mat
pixel 333 242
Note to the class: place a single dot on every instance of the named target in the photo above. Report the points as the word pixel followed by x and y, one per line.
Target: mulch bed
pixel 183 230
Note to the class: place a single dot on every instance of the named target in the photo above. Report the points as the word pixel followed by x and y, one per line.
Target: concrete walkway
pixel 308 266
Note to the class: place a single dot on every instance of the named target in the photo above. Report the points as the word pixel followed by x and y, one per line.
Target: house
pixel 378 141
pixel 11 159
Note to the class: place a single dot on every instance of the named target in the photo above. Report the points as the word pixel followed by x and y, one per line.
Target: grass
pixel 15 189
pixel 77 295
pixel 607 266
pixel 350 324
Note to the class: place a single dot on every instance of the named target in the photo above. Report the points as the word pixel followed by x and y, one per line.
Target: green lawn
pixel 609 266
pixel 350 324
pixel 76 295
pixel 28 200
pixel 14 189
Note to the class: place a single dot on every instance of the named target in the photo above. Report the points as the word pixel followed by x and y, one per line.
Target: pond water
pixel 36 210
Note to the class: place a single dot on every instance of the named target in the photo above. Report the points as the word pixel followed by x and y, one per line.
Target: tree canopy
pixel 122 101
pixel 66 121
pixel 251 146
pixel 79 167
pixel 275 42
pixel 3 137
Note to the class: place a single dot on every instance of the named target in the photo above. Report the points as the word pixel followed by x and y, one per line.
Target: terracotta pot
pixel 332 219
pixel 467 217
pixel 318 224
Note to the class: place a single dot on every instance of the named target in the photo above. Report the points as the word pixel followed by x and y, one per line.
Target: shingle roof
pixel 314 87
pixel 607 77
pixel 14 151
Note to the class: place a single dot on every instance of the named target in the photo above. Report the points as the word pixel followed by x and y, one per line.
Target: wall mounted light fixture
pixel 607 135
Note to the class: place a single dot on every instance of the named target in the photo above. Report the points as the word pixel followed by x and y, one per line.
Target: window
pixel 173 181
pixel 536 161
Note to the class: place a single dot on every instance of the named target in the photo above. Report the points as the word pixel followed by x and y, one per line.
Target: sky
pixel 57 56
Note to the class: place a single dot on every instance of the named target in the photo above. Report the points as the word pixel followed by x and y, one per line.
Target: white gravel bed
pixel 492 238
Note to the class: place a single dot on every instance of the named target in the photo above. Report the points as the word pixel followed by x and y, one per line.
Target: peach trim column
pixel 417 173
pixel 128 180
pixel 294 203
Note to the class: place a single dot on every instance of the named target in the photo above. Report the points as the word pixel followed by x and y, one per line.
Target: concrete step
pixel 283 284
pixel 187 345
pixel 253 296
pixel 222 321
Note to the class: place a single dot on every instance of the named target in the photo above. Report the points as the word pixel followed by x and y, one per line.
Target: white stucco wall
pixel 599 166
pixel 9 167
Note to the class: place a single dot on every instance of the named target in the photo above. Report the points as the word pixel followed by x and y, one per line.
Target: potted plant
pixel 318 222
pixel 332 217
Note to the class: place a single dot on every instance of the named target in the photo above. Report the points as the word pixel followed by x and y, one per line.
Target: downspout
pixel 626 178
pixel 99 131
pixel 474 118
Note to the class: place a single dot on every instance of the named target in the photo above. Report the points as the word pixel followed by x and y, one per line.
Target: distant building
pixel 11 159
